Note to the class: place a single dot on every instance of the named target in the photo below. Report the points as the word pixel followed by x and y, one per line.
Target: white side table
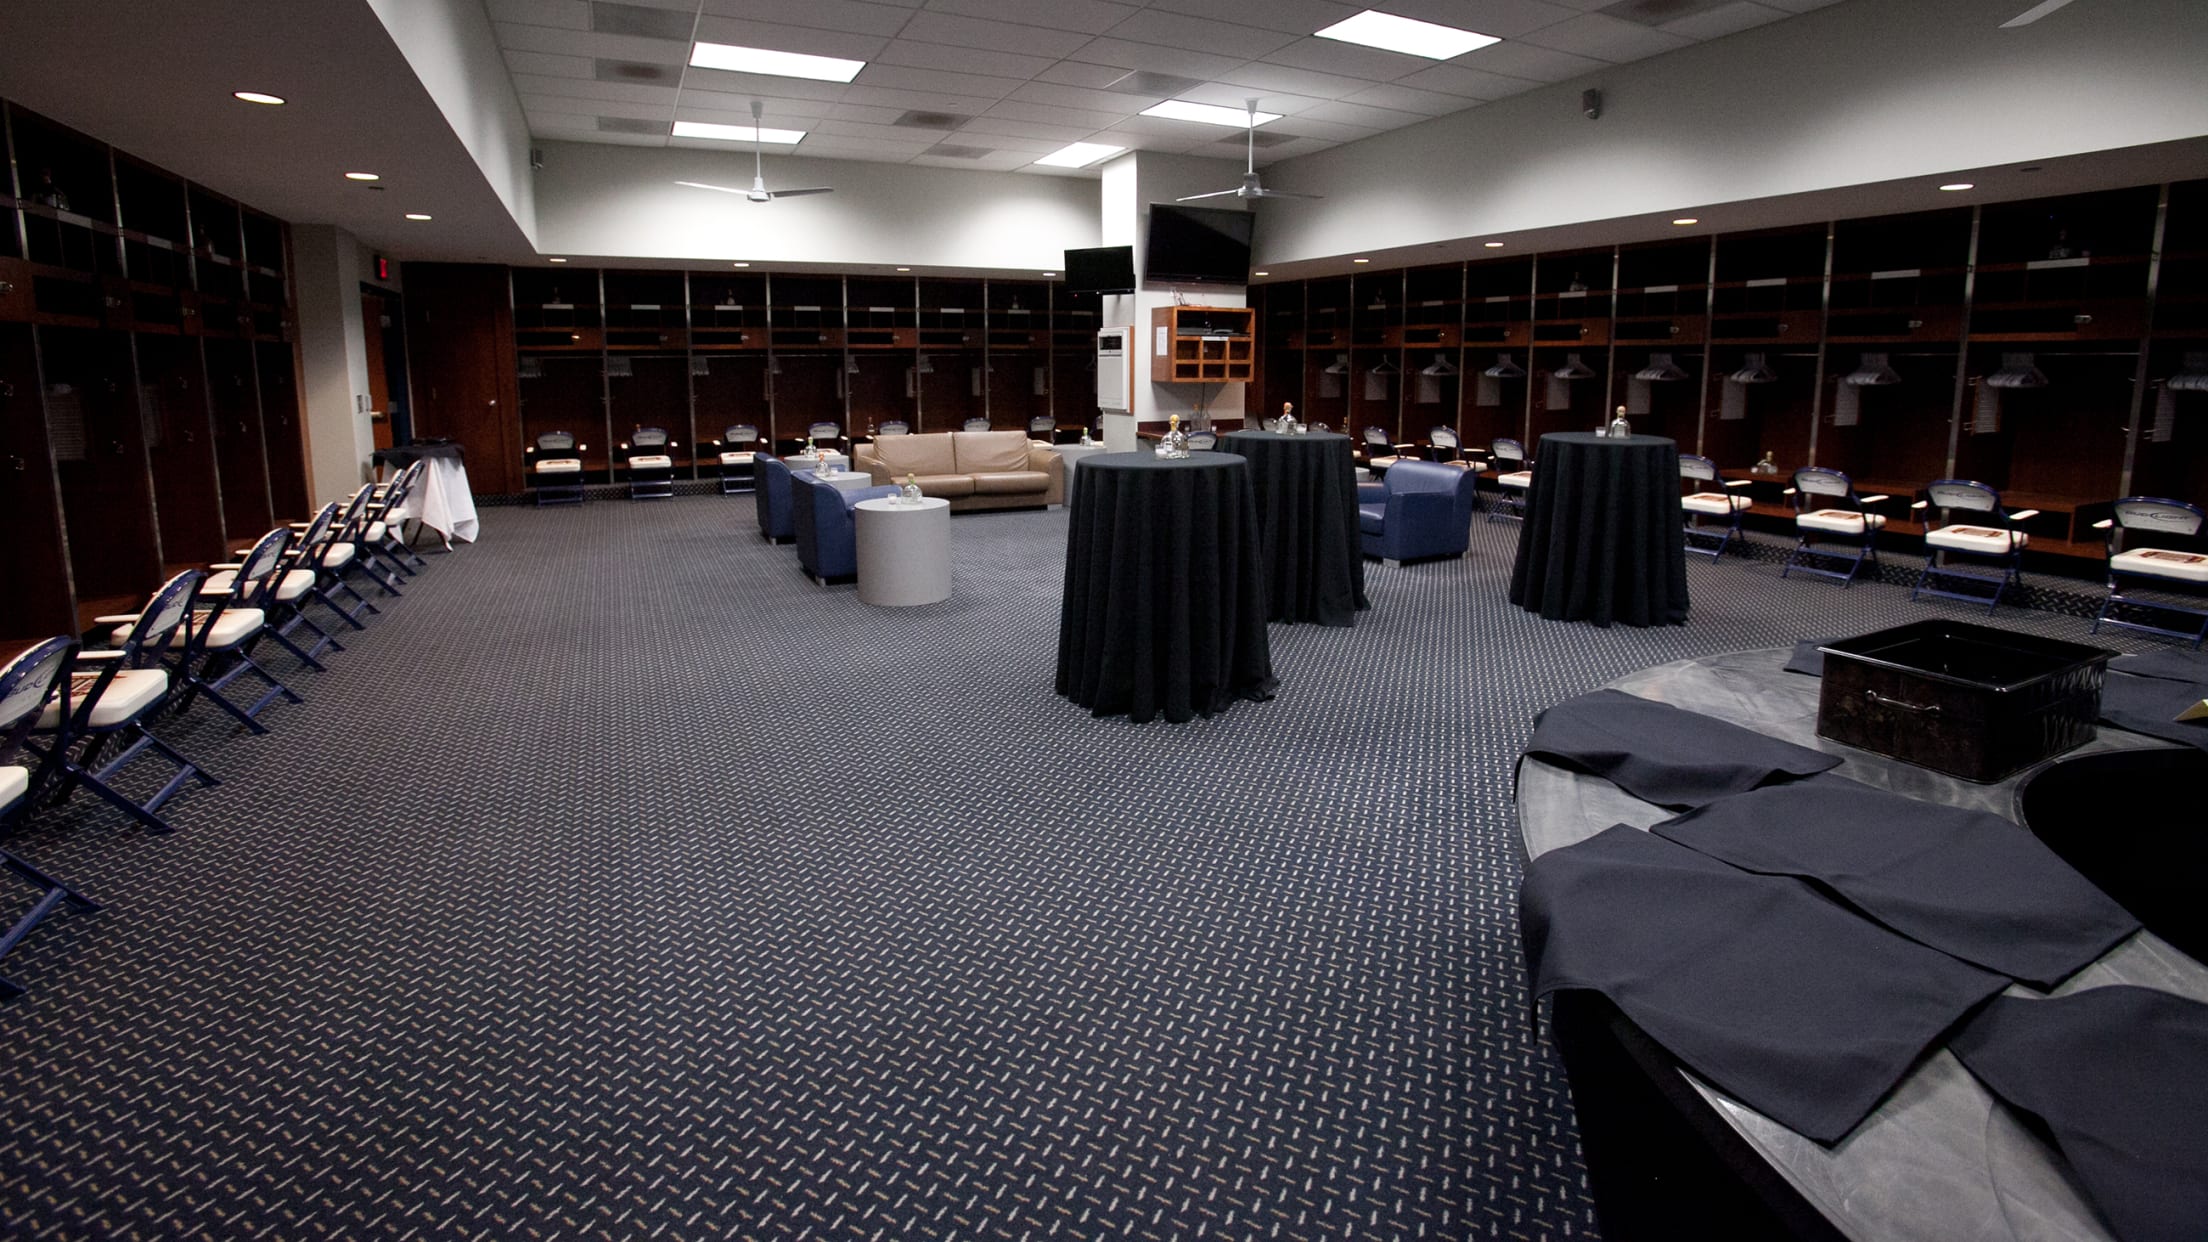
pixel 1073 453
pixel 842 480
pixel 806 461
pixel 904 551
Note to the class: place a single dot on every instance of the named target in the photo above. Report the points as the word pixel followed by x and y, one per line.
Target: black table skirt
pixel 404 455
pixel 1603 538
pixel 1164 609
pixel 1306 489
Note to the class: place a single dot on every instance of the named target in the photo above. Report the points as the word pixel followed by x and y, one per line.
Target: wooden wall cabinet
pixel 1203 344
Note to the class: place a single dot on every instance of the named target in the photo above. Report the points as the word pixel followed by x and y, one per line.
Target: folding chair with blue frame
pixel 1724 501
pixel 2172 560
pixel 1988 533
pixel 1203 441
pixel 1444 444
pixel 1381 452
pixel 26 682
pixel 738 447
pixel 651 467
pixel 1828 511
pixel 1513 476
pixel 217 647
pixel 555 468
pixel 386 535
pixel 110 694
pixel 292 589
pixel 340 556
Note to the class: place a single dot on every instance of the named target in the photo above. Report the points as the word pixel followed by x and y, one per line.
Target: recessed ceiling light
pixel 1209 114
pixel 1078 154
pixel 778 64
pixel 362 177
pixel 1959 185
pixel 259 97
pixel 416 215
pixel 1492 245
pixel 736 133
pixel 743 265
pixel 1360 260
pixel 1050 273
pixel 555 260
pixel 904 269
pixel 1390 33
pixel 1260 273
pixel 1688 220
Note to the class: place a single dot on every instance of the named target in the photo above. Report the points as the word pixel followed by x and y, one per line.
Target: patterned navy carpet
pixel 621 882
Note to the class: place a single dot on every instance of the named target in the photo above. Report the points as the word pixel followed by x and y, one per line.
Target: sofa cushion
pixel 947 486
pixel 990 452
pixel 922 455
pixel 1010 482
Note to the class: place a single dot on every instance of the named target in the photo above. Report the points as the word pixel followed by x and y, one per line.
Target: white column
pixel 327 267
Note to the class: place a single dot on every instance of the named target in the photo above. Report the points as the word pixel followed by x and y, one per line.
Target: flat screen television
pixel 1104 269
pixel 1198 246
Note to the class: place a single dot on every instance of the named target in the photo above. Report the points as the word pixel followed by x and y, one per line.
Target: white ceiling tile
pixel 1332 131
pixel 672 6
pixel 566 14
pixel 1359 114
pixel 1405 99
pixel 1346 59
pixel 850 16
pixel 824 144
pixel 883 133
pixel 1231 39
pixel 1801 6
pixel 1077 97
pixel 1470 83
pixel 932 27
pixel 1077 73
pixel 1156 58
pixel 785 38
pixel 584 43
pixel 943 56
pixel 775 111
pixel 860 112
pixel 1298 17
pixel 549 65
pixel 925 101
pixel 1087 16
pixel 600 107
pixel 616 140
pixel 586 88
pixel 559 105
pixel 1524 60
pixel 1227 95
pixel 901 78
pixel 1719 22
pixel 1606 38
pixel 1266 77
pixel 1043 114
pixel 1505 19
pixel 1138 140
pixel 1059 135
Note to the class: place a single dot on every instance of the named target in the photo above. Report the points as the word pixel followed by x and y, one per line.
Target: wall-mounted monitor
pixel 1198 246
pixel 1104 269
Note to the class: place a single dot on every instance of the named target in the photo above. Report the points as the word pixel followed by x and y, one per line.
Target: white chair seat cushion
pixel 219 583
pixel 655 461
pixel 132 691
pixel 237 624
pixel 1838 521
pixel 296 583
pixel 737 459
pixel 1975 539
pixel 2162 563
pixel 1516 479
pixel 375 530
pixel 338 557
pixel 560 465
pixel 1720 503
pixel 1384 462
pixel 13 781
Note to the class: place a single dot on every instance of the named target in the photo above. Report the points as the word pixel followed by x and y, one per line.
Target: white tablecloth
pixel 442 500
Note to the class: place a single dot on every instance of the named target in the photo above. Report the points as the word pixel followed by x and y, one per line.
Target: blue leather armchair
pixel 771 492
pixel 1421 509
pixel 827 542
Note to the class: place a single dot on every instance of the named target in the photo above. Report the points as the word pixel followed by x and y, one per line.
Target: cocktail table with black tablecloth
pixel 1306 487
pixel 1165 600
pixel 1604 539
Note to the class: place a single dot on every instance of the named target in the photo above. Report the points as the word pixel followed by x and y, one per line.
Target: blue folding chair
pixel 109 695
pixel 26 682
pixel 555 467
pixel 1203 441
pixel 1829 515
pixel 651 467
pixel 218 639
pixel 1973 527
pixel 2171 560
pixel 1710 496
pixel 1513 475
pixel 292 588
pixel 739 445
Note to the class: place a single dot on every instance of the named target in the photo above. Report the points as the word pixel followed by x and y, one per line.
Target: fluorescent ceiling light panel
pixel 779 64
pixel 736 133
pixel 1078 155
pixel 1390 33
pixel 1208 114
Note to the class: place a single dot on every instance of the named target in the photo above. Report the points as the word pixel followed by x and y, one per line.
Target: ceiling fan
pixel 1250 187
pixel 758 193
pixel 2033 14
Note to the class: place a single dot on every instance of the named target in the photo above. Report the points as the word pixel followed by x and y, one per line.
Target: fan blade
pixel 824 189
pixel 2033 14
pixel 1214 194
pixel 1264 193
pixel 700 185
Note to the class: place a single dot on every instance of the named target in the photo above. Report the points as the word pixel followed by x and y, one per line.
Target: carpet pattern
pixel 620 882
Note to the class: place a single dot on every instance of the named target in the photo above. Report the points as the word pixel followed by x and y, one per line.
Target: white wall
pixel 327 268
pixel 454 52
pixel 1861 92
pixel 595 200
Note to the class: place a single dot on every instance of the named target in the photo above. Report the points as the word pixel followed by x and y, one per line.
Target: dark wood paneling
pixel 37 600
pixel 100 455
pixel 460 341
pixel 180 445
pixel 282 429
pixel 238 444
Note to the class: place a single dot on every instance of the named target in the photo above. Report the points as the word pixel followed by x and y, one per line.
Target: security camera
pixel 1590 102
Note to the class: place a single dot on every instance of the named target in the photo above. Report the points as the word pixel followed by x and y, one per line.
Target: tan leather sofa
pixel 971 469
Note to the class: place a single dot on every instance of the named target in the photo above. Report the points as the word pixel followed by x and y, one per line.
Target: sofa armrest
pixel 852 498
pixel 864 458
pixel 1040 457
pixel 1372 493
pixel 1421 508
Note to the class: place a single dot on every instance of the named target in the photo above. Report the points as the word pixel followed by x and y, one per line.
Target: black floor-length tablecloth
pixel 1164 609
pixel 1603 538
pixel 1306 489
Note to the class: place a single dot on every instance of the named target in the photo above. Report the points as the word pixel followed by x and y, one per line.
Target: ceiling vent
pixel 635 71
pixel 631 125
pixel 1160 85
pixel 932 120
pixel 631 19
